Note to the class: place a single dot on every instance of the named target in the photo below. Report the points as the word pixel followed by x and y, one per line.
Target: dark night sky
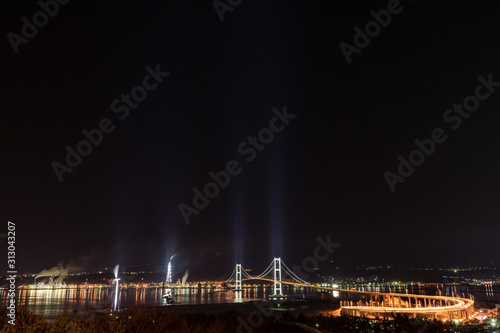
pixel 323 174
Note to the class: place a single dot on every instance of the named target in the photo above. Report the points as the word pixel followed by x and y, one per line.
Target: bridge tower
pixel 238 276
pixel 277 277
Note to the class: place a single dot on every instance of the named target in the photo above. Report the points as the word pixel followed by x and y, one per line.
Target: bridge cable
pixel 293 275
pixel 267 270
pixel 233 276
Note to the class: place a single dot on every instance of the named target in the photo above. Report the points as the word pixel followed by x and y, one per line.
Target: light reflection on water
pixel 52 302
pixel 481 292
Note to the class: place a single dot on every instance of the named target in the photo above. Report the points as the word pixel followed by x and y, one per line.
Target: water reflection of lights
pixel 51 302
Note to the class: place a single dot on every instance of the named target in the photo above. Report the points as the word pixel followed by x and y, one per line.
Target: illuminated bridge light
pixel 374 304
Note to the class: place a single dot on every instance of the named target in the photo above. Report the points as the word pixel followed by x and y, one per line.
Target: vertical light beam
pixel 169 272
pixel 115 270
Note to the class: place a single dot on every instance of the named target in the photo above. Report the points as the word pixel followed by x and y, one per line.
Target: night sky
pixel 322 174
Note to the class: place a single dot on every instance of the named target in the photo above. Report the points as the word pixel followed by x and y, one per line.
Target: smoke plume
pixel 185 277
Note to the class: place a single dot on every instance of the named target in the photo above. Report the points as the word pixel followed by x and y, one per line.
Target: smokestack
pixel 56 270
pixel 115 271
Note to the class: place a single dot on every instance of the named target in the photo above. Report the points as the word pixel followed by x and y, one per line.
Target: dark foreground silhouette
pixel 144 319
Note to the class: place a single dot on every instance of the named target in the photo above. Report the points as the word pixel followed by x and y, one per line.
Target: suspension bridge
pixel 363 303
pixel 276 267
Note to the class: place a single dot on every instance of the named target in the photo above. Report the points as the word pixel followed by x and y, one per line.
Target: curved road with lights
pixel 377 304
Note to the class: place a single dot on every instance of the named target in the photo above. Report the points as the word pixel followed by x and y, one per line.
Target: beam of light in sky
pixel 275 205
pixel 238 222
